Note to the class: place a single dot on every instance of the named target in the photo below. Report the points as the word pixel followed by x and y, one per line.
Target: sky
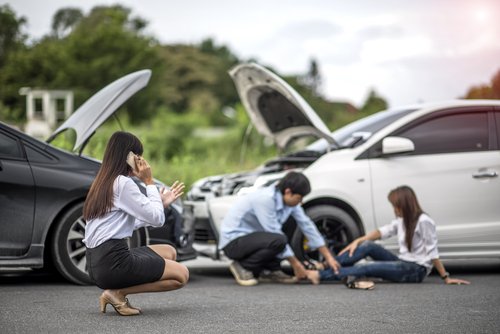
pixel 407 51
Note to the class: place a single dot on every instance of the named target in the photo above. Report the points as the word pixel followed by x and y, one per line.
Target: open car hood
pixel 275 108
pixel 96 110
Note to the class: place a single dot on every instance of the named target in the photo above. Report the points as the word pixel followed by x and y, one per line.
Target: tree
pixel 222 61
pixel 107 44
pixel 479 92
pixel 495 85
pixel 11 36
pixel 313 79
pixel 485 91
pixel 64 20
pixel 373 104
pixel 103 46
pixel 12 40
pixel 196 80
pixel 333 113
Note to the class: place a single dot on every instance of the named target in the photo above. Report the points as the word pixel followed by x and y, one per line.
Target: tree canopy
pixel 11 35
pixel 486 91
pixel 65 20
pixel 85 51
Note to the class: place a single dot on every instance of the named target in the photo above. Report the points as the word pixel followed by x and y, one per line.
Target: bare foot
pixel 313 276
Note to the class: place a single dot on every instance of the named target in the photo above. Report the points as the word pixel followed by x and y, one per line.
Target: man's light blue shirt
pixel 264 211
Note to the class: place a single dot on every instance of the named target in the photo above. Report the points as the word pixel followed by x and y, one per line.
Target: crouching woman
pixel 114 208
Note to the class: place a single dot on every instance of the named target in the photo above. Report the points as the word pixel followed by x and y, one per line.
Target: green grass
pixel 173 151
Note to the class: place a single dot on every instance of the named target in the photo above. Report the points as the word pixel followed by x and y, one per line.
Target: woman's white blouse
pixel 424 243
pixel 131 210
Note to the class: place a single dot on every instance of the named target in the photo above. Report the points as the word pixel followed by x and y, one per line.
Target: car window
pixel 460 132
pixel 367 126
pixel 497 118
pixel 36 156
pixel 9 147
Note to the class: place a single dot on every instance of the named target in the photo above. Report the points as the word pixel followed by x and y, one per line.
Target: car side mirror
pixel 393 145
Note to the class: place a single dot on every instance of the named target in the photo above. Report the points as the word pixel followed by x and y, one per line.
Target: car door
pixel 454 172
pixel 17 198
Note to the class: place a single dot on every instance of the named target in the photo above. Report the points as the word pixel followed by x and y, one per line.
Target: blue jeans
pixel 386 265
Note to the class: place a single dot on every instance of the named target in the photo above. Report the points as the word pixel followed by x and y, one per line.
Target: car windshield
pixel 356 133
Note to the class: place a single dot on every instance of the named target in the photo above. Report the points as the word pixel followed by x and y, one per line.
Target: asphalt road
pixel 213 303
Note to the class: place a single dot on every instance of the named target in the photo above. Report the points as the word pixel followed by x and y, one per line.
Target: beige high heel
pixel 122 308
pixel 133 307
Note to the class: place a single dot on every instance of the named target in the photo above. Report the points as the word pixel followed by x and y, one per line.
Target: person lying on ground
pixel 418 249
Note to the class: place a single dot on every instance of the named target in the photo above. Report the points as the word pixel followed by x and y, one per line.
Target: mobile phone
pixel 131 160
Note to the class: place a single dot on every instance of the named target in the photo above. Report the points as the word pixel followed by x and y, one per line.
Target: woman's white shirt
pixel 131 210
pixel 424 243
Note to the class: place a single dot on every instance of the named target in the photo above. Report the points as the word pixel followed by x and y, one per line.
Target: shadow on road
pixel 456 267
pixel 479 266
pixel 30 276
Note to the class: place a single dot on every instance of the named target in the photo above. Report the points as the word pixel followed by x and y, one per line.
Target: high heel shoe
pixel 122 308
pixel 132 307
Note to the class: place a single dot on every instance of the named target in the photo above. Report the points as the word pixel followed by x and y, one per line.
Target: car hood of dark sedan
pixel 275 108
pixel 96 110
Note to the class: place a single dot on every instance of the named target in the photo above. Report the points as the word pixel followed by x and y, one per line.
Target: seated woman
pixel 418 251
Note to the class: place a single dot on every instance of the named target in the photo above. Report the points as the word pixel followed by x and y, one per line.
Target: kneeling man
pixel 252 236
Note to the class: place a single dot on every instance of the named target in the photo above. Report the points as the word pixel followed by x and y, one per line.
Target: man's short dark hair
pixel 296 182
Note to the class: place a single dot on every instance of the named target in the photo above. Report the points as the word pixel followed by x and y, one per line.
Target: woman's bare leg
pixel 175 276
pixel 165 251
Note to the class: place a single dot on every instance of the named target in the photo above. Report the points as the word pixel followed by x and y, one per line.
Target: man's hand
pixel 329 259
pixel 298 268
pixel 299 271
pixel 332 263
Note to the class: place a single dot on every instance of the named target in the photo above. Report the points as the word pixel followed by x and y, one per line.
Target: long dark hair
pixel 100 197
pixel 404 199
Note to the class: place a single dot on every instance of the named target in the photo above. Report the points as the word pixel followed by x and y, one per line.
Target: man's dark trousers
pixel 257 251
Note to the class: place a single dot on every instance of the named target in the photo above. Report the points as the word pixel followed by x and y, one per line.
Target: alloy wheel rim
pixel 74 244
pixel 335 233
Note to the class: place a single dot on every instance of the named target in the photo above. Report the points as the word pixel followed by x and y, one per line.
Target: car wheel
pixel 68 250
pixel 335 225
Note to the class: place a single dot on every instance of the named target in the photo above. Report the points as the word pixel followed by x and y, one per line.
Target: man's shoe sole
pixel 292 280
pixel 248 282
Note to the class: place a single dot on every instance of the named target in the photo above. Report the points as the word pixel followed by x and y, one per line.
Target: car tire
pixel 68 250
pixel 335 225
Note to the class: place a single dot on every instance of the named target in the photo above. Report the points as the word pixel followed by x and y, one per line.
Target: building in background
pixel 45 109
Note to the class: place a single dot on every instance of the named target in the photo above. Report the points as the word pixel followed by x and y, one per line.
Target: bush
pixel 176 154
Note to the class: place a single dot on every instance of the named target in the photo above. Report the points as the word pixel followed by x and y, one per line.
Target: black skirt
pixel 112 265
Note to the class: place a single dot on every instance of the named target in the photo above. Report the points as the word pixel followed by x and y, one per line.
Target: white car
pixel 448 152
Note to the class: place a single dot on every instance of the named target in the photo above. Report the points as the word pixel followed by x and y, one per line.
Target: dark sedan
pixel 43 188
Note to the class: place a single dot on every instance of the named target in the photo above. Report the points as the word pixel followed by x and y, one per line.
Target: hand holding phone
pixel 131 161
pixel 140 168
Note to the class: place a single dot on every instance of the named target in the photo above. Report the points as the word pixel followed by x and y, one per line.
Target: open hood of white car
pixel 275 108
pixel 96 110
